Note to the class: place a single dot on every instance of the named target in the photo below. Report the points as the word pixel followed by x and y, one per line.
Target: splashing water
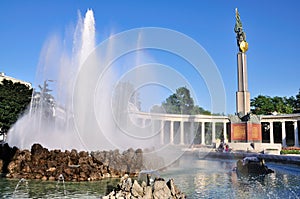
pixel 61 179
pixel 24 182
pixel 62 113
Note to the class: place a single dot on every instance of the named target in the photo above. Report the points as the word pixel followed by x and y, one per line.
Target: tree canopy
pixel 266 105
pixel 180 102
pixel 14 99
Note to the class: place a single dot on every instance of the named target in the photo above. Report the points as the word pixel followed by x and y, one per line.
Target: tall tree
pixel 180 102
pixel 297 103
pixel 14 99
pixel 266 105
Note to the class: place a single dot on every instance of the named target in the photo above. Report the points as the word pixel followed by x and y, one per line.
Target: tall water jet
pixel 76 104
pixel 50 118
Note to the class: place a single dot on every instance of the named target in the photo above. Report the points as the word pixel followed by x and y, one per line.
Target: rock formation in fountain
pixel 41 163
pixel 127 188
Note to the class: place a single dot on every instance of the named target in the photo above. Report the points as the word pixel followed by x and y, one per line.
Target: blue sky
pixel 272 29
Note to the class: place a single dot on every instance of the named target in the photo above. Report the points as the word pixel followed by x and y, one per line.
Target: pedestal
pixel 245 132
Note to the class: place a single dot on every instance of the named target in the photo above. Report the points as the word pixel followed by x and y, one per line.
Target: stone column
pixel 162 132
pixel 296 133
pixel 202 132
pixel 242 95
pixel 283 133
pixel 192 131
pixel 192 136
pixel 171 132
pixel 271 133
pixel 181 133
pixel 225 132
pixel 213 132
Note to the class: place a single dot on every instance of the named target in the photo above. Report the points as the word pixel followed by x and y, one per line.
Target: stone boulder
pixel 6 155
pixel 41 163
pixel 119 164
pixel 160 189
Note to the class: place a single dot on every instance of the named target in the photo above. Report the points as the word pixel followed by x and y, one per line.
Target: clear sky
pixel 272 29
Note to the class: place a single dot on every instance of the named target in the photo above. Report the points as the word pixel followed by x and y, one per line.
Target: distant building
pixel 14 80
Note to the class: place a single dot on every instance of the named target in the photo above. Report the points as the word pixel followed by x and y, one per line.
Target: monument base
pixel 245 132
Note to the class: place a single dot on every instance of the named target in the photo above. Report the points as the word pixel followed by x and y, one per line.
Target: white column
pixel 192 135
pixel 162 132
pixel 283 133
pixel 225 132
pixel 152 126
pixel 202 132
pixel 171 132
pixel 296 133
pixel 271 133
pixel 181 133
pixel 213 132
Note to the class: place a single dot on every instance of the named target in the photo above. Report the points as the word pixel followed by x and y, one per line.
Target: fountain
pixel 73 110
pixel 60 115
pixel 22 181
pixel 61 179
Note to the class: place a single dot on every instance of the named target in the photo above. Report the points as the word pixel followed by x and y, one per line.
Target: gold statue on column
pixel 240 34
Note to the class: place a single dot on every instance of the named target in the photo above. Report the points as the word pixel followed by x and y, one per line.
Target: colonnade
pixel 191 133
pixel 282 119
pixel 189 126
pixel 182 129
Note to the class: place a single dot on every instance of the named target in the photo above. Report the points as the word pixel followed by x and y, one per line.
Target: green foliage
pixel 197 110
pixel 296 103
pixel 180 102
pixel 265 105
pixel 14 99
pixel 289 151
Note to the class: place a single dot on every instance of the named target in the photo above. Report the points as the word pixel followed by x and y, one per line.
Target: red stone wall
pixel 245 132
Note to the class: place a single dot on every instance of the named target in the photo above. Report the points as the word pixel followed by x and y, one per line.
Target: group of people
pixel 223 147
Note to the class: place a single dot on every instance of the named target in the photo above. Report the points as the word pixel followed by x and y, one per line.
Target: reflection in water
pixel 197 178
pixel 216 179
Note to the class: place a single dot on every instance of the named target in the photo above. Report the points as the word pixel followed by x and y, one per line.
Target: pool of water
pixel 209 178
pixel 213 178
pixel 47 189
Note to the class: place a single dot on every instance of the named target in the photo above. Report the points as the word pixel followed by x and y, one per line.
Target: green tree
pixel 180 102
pixel 261 105
pixel 14 99
pixel 265 105
pixel 199 110
pixel 294 102
pixel 281 105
